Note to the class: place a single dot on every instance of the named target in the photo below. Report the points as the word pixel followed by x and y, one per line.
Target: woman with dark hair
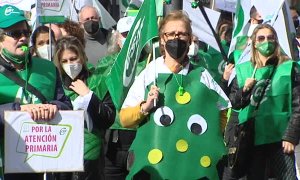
pixel 80 84
pixel 42 45
pixel 266 91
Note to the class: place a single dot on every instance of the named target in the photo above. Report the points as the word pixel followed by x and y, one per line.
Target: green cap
pixel 10 15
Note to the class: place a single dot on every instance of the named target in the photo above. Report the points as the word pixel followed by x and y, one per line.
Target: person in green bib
pixel 267 90
pixel 15 58
pixel 81 85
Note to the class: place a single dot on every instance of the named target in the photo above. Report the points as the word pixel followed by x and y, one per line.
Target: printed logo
pixel 132 53
pixel 257 92
pixel 9 10
pixel 221 67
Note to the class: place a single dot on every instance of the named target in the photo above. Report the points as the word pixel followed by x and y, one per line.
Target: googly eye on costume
pixel 163 116
pixel 197 124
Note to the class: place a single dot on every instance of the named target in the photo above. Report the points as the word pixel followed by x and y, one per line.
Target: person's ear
pixel 162 41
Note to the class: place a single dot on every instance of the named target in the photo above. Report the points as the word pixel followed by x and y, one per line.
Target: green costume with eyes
pixel 187 146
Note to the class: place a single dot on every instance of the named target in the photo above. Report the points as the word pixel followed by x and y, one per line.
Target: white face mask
pixel 251 29
pixel 193 49
pixel 122 42
pixel 72 70
pixel 44 51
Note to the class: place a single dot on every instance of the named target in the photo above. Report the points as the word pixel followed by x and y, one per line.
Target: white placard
pixel 199 24
pixel 226 5
pixel 54 146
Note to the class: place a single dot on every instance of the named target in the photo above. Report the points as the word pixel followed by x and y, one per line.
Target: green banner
pixel 123 71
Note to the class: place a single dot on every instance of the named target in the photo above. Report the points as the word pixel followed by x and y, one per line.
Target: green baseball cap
pixel 10 15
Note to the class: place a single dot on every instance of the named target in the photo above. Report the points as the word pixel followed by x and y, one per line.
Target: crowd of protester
pixel 189 83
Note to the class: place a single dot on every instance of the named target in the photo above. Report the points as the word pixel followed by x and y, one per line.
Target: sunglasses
pixel 18 33
pixel 263 38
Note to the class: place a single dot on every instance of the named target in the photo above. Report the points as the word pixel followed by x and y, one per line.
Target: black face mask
pixel 260 21
pixel 91 27
pixel 296 23
pixel 176 48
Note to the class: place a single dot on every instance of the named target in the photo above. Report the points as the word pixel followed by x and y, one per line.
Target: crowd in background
pixel 79 55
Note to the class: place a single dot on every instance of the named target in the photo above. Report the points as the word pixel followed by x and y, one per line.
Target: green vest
pixel 40 73
pixel 200 111
pixel 274 111
pixel 217 64
pixel 92 140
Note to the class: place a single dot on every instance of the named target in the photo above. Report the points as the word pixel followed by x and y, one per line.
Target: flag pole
pixel 154 60
pixel 71 8
pixel 197 3
pixel 254 71
pixel 50 43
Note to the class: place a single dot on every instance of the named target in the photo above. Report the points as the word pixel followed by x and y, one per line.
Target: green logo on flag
pixel 132 55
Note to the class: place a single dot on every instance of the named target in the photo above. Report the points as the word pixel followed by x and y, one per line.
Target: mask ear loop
pixel 26 50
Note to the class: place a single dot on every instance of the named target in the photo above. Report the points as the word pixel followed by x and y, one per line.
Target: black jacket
pixel 240 99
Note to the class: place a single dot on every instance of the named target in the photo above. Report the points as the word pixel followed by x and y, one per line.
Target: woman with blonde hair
pixel 266 91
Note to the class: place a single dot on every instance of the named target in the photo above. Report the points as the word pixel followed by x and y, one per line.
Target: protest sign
pixel 53 11
pixel 39 146
pixel 226 5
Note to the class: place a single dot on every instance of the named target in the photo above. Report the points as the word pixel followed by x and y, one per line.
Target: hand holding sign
pixel 40 111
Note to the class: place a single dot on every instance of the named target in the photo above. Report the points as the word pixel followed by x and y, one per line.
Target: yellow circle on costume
pixel 182 145
pixel 205 161
pixel 184 99
pixel 155 156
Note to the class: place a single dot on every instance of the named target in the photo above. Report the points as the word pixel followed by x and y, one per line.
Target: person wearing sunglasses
pixel 16 58
pixel 266 91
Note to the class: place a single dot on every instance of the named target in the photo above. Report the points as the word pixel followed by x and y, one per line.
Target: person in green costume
pixel 16 58
pixel 176 108
pixel 277 123
pixel 81 85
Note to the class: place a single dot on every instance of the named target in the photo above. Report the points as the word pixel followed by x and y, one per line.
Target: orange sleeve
pixel 131 117
pixel 223 119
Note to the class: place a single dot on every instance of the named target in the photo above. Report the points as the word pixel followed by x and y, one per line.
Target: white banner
pixel 54 146
pixel 226 5
pixel 56 8
pixel 199 24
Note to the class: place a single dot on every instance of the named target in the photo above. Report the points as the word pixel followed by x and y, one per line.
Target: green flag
pixel 122 73
pixel 242 16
